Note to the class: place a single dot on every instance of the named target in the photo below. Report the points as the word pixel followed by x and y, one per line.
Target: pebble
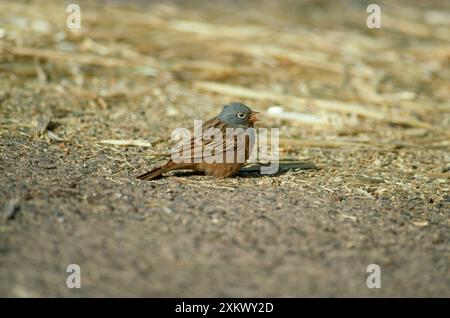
pixel 11 208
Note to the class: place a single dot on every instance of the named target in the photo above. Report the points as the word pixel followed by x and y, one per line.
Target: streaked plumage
pixel 234 115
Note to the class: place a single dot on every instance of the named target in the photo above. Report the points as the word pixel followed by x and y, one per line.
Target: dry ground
pixel 373 117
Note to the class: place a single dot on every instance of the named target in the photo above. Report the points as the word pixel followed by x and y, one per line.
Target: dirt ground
pixel 372 131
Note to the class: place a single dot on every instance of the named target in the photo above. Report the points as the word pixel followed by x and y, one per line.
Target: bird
pixel 192 155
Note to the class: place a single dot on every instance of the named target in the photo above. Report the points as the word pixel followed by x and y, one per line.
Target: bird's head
pixel 237 115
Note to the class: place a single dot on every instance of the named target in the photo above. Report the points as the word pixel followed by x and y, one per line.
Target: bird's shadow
pixel 254 170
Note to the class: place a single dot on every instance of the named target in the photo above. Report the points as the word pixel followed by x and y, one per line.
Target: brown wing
pixel 207 148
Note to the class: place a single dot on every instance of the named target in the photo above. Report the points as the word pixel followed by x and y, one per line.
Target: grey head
pixel 237 115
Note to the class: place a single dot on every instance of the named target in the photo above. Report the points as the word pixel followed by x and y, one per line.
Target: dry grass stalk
pixel 118 142
pixel 81 58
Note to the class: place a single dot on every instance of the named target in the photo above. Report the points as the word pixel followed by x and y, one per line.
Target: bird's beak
pixel 253 116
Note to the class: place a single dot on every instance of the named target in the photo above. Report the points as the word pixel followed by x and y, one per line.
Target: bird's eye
pixel 241 115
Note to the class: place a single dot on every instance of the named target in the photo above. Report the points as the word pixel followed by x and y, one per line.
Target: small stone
pixel 11 208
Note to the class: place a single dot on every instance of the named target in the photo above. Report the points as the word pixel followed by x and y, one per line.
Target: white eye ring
pixel 241 115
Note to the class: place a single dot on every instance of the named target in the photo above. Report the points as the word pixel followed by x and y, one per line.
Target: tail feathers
pixel 152 174
pixel 157 172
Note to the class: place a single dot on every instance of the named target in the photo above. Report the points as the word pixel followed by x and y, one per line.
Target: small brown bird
pixel 202 154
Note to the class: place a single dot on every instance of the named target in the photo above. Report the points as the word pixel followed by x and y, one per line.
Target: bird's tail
pixel 152 174
pixel 157 172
